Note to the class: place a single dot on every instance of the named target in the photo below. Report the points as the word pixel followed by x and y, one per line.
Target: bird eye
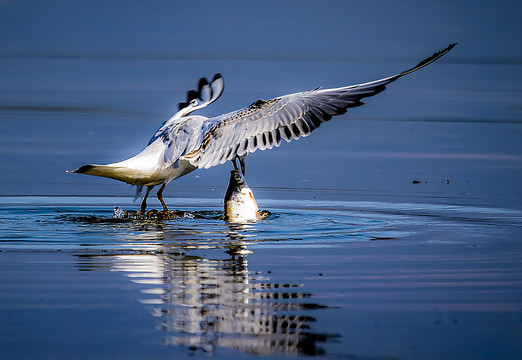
pixel 237 177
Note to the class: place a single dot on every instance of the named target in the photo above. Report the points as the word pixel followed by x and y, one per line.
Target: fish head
pixel 240 204
pixel 237 179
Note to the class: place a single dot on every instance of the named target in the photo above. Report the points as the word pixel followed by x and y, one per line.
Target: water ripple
pixel 65 226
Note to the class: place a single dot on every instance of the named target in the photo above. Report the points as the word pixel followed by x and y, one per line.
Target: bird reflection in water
pixel 204 303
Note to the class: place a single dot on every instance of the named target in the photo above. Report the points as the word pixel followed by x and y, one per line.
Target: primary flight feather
pixel 187 142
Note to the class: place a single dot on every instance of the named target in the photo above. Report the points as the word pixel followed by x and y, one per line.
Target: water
pixel 390 237
pixel 317 278
pixel 395 230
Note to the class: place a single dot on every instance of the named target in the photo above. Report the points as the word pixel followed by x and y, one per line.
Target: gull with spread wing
pixel 187 142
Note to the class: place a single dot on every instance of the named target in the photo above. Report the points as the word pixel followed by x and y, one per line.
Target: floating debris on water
pixel 120 213
pixel 447 181
pixel 123 214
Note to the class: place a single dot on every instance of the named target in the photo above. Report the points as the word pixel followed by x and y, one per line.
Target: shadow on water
pixel 206 303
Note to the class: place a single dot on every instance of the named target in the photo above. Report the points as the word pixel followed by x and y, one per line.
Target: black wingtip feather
pixel 429 60
pixel 202 82
pixel 192 95
pixel 196 94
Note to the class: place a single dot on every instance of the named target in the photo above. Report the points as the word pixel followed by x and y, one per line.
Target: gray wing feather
pixel 264 123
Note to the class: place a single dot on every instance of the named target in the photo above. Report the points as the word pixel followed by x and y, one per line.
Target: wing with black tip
pixel 205 95
pixel 264 124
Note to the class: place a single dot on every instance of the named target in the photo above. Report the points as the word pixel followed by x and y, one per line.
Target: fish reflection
pixel 204 303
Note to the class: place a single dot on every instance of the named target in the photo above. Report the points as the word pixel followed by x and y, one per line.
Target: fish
pixel 240 203
pixel 188 142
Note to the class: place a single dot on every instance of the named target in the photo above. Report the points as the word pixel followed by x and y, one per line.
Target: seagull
pixel 187 142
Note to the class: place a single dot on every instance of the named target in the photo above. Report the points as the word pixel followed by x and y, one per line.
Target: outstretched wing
pixel 264 123
pixel 205 95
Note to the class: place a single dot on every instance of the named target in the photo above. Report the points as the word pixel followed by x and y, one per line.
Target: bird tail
pixel 109 171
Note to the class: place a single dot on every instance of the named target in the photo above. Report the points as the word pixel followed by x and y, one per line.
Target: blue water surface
pixel 395 229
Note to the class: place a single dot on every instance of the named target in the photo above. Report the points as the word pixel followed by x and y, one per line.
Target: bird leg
pixel 159 194
pixel 144 201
